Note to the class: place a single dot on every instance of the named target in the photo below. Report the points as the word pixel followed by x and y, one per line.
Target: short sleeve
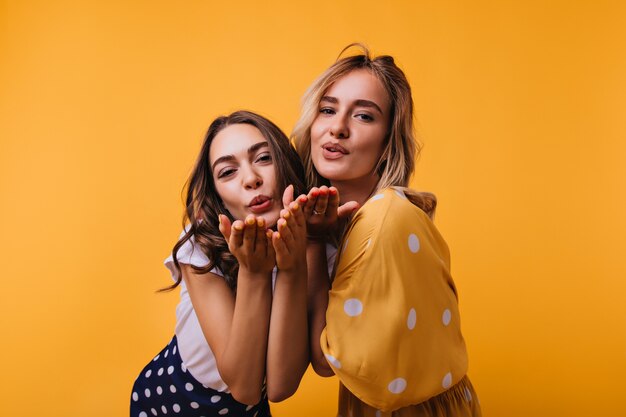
pixel 393 331
pixel 191 254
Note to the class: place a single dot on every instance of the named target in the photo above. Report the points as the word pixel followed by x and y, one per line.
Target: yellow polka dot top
pixel 393 334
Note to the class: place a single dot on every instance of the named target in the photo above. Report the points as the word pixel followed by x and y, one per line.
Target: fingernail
pixel 286 216
pixel 238 226
pixel 250 221
pixel 260 222
pixel 296 206
pixel 219 219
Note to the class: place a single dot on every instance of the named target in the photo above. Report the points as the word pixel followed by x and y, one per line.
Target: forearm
pixel 317 301
pixel 288 350
pixel 242 364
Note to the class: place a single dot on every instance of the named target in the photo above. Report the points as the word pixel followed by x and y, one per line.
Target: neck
pixel 359 190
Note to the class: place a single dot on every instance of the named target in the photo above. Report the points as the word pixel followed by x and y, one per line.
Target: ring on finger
pixel 318 212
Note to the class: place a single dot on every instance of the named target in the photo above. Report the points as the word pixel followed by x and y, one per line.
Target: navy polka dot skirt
pixel 166 388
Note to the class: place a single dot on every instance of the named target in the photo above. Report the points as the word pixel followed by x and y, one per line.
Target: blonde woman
pixel 388 326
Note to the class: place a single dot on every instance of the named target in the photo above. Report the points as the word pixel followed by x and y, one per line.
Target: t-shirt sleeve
pixel 191 254
pixel 393 331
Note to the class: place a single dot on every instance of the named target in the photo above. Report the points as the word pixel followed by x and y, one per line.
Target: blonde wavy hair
pixel 397 161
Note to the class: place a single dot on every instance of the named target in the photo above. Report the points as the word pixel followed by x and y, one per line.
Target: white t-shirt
pixel 195 351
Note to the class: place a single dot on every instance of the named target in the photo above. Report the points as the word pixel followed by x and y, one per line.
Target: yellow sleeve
pixel 393 331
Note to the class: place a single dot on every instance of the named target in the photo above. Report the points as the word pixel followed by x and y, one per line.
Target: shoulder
pixel 386 225
pixel 387 210
pixel 190 253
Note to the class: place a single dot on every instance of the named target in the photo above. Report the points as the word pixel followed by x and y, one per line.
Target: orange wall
pixel 521 108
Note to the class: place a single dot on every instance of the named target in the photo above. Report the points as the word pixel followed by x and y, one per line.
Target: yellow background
pixel 520 105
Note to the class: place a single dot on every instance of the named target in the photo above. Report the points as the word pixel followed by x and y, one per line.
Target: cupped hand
pixel 250 243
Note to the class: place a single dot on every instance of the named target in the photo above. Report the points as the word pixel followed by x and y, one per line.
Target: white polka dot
pixel 164 409
pixel 183 367
pixel 135 396
pixel 333 361
pixel 223 411
pixel 400 194
pixel 468 394
pixel 159 390
pixel 174 351
pixel 414 243
pixel 412 319
pixel 160 372
pixel 166 353
pixel 147 393
pixel 215 398
pixel 172 389
pixel 170 370
pixel 176 408
pixel 143 414
pixel 248 408
pixel 353 307
pixel 194 405
pixel 397 386
pixel 377 197
pixel 446 317
pixel 148 373
pixel 189 386
pixel 153 411
pixel 156 357
pixel 447 381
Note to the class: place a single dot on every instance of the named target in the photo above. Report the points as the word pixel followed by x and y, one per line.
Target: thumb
pixel 225 226
pixel 347 209
pixel 288 196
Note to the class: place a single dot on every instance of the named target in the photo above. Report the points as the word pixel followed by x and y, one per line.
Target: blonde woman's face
pixel 244 174
pixel 348 134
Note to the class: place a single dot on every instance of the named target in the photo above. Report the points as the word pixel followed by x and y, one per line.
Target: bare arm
pixel 317 295
pixel 288 354
pixel 322 212
pixel 236 327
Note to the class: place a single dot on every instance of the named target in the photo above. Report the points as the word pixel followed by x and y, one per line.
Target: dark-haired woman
pixel 241 333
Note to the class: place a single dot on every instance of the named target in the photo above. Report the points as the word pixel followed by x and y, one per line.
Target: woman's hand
pixel 322 211
pixel 250 243
pixel 289 241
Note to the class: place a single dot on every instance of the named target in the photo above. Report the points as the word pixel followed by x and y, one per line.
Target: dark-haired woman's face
pixel 348 134
pixel 244 174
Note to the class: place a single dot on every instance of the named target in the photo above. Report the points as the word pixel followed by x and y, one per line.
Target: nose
pixel 251 178
pixel 339 128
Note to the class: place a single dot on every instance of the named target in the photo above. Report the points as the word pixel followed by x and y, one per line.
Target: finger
pixel 285 230
pixel 322 201
pixel 249 233
pixel 298 215
pixel 270 245
pixel 347 209
pixel 224 226
pixel 279 245
pixel 261 244
pixel 311 200
pixel 236 237
pixel 288 195
pixel 333 202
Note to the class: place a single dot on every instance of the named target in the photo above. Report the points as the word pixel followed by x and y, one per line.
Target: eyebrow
pixel 358 103
pixel 251 150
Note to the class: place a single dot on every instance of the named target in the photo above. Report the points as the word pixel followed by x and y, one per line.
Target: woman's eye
pixel 226 172
pixel 264 157
pixel 327 110
pixel 364 117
